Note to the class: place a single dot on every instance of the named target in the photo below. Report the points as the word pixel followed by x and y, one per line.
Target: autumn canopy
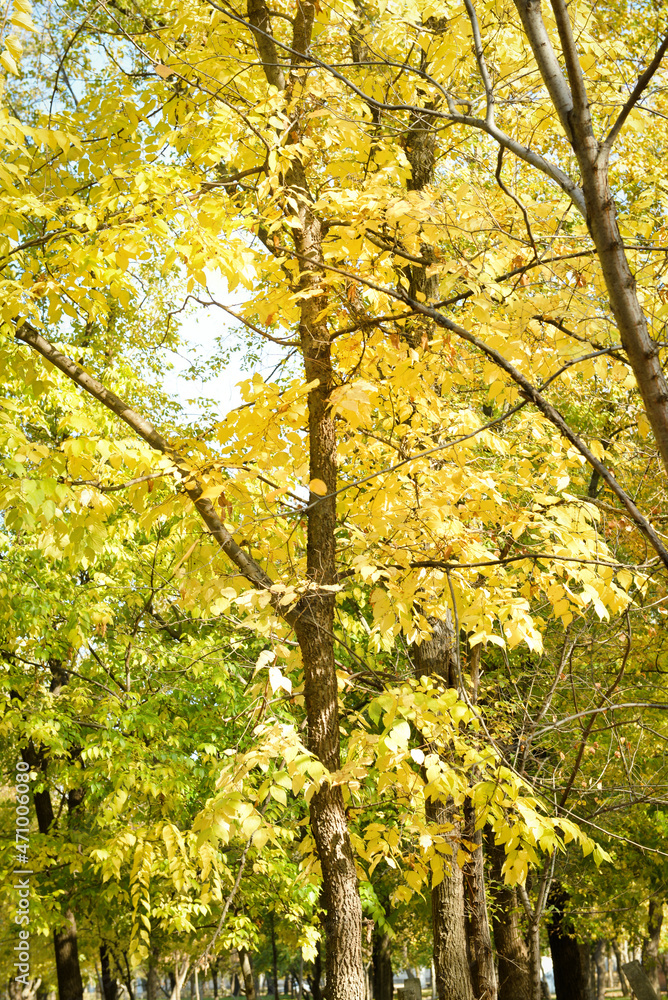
pixel 361 671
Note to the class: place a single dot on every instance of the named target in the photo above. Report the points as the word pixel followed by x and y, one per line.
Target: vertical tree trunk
pixel 382 965
pixel 247 973
pixel 314 627
pixel 511 948
pixel 622 956
pixel 314 615
pixel 108 980
pixel 570 959
pixel 650 952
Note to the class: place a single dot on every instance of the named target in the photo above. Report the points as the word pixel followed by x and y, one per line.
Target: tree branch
pixel 573 68
pixel 546 59
pixel 247 566
pixel 636 94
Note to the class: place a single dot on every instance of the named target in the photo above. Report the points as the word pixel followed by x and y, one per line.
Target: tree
pixel 428 477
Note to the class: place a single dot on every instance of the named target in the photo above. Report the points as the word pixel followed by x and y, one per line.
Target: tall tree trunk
pixel 650 952
pixel 383 988
pixel 570 960
pixel 247 973
pixel 314 626
pixel 511 947
pixel 109 981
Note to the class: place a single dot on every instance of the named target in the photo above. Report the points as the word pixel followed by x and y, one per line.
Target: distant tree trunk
pixel 214 980
pixel 178 978
pixel 22 991
pixel 620 958
pixel 247 973
pixel 599 963
pixel 511 947
pixel 650 952
pixel 108 980
pixel 274 955
pixel 314 981
pixel 570 960
pixel 382 965
pixel 608 955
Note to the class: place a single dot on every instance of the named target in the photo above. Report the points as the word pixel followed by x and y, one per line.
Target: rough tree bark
pixel 312 619
pixel 274 955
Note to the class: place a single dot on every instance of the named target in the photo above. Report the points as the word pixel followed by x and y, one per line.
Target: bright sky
pixel 201 331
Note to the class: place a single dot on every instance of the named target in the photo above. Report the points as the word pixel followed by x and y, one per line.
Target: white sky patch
pixel 207 333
